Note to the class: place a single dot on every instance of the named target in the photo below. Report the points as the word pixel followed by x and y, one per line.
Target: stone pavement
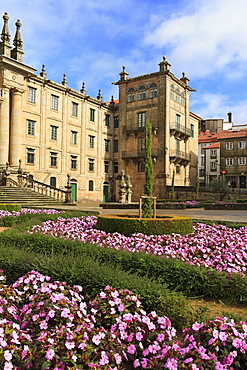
pixel 195 213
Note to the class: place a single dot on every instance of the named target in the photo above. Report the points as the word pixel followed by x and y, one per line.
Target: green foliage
pixel 219 185
pixel 172 188
pixel 128 225
pixel 241 200
pixel 148 186
pixel 10 207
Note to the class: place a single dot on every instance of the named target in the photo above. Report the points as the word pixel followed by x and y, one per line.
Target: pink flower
pixel 50 354
pixel 131 349
pixel 7 355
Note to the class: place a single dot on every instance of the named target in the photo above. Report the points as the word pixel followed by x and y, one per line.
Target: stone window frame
pixel 229 145
pixel 74 137
pixel 53 159
pixel 30 155
pixel 91 141
pixel 75 107
pixel 241 161
pixel 54 132
pixel 31 127
pixel 32 94
pixel 229 161
pixel 54 102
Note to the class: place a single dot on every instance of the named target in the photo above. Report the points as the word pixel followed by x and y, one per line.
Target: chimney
pixel 229 116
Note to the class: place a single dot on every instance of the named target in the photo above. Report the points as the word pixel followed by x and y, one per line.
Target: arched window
pixel 153 85
pixel 131 95
pixel 53 181
pixel 153 91
pixel 131 89
pixel 90 185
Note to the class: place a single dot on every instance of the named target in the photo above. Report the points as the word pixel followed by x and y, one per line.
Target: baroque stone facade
pixel 56 131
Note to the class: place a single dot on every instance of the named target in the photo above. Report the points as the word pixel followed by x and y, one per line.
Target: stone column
pixel 4 126
pixel 15 127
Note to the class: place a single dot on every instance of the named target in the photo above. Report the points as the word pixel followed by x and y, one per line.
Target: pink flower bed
pixel 49 325
pixel 219 247
pixel 25 211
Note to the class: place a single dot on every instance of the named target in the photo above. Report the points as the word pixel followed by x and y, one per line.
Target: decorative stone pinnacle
pixel 17 39
pixel 5 36
pixel 123 74
pixel 83 89
pixel 64 82
pixel 43 73
pixel 99 97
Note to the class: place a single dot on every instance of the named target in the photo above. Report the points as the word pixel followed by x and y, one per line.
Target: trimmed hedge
pixel 193 281
pixel 128 225
pixel 10 207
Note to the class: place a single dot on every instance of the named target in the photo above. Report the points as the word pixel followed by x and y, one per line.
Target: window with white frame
pixel 229 145
pixel 213 166
pixel 31 94
pixel 241 161
pixel 74 135
pixel 74 109
pixel 141 119
pixel 91 141
pixel 153 91
pixel 54 102
pixel 213 153
pixel 53 159
pixel 241 144
pixel 30 155
pixel 131 97
pixel 142 93
pixel 30 127
pixel 54 130
pixel 229 161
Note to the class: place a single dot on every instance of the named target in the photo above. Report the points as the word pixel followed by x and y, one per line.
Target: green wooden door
pixel 105 193
pixel 74 191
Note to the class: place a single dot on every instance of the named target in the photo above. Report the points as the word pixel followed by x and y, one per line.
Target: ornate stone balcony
pixel 179 157
pixel 179 131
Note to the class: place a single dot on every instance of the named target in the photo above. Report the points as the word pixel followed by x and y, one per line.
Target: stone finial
pixel 123 75
pixel 5 36
pixel 112 101
pixel 99 96
pixel 184 79
pixel 164 65
pixel 83 88
pixel 5 47
pixel 43 72
pixel 64 82
pixel 17 52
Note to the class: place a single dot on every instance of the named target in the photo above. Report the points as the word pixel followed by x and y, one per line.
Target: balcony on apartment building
pixel 133 154
pixel 179 131
pixel 179 157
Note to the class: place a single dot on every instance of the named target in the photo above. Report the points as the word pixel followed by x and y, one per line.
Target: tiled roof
pixel 212 146
pixel 207 137
pixel 228 134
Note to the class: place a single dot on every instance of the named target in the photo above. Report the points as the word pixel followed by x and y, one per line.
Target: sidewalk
pixel 194 213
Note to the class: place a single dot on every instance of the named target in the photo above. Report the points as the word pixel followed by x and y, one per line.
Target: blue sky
pixel 90 41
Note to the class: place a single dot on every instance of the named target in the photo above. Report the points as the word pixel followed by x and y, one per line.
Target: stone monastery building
pixel 54 131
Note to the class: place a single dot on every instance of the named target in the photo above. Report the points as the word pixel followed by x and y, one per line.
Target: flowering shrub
pixel 219 247
pixel 49 325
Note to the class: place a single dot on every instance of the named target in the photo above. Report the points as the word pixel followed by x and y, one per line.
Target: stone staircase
pixel 26 197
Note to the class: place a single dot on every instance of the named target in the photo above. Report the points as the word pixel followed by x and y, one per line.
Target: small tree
pixel 172 188
pixel 148 186
pixel 219 185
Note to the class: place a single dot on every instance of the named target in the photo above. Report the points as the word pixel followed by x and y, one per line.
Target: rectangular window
pixel 92 115
pixel 107 145
pixel 178 118
pixel 177 145
pixel 115 122
pixel 30 127
pixel 141 166
pixel 91 141
pixel 30 155
pixel 54 130
pixel 213 153
pixel 53 158
pixel 106 167
pixel 229 145
pixel 107 120
pixel 115 167
pixel 74 135
pixel 141 145
pixel 241 144
pixel 153 93
pixel 229 161
pixel 141 119
pixel 202 161
pixel 74 109
pixel 241 161
pixel 91 164
pixel 131 97
pixel 54 102
pixel 73 162
pixel 213 166
pixel 178 170
pixel 142 95
pixel 192 130
pixel 115 146
pixel 31 94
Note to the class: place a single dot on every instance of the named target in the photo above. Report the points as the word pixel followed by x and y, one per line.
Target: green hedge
pixel 94 275
pixel 10 207
pixel 128 225
pixel 193 281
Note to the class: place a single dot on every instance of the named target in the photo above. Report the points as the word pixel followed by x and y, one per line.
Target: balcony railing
pixel 179 157
pixel 137 154
pixel 179 131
